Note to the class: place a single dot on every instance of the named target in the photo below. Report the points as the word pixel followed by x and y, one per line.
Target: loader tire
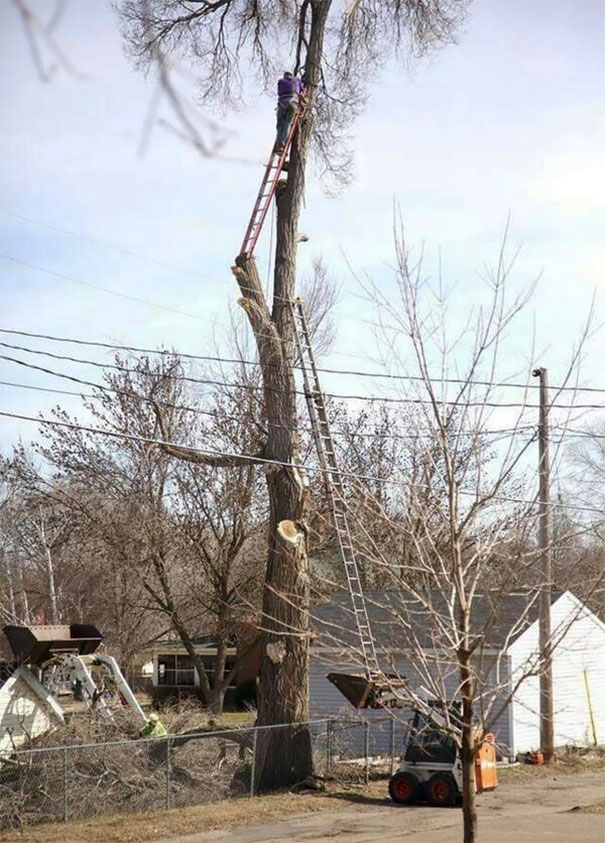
pixel 441 790
pixel 404 788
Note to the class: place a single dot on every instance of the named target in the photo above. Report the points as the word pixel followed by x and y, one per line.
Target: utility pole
pixel 545 532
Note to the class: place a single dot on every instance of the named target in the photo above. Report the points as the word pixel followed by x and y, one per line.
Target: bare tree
pixel 177 540
pixel 585 465
pixel 578 562
pixel 45 49
pixel 468 516
pixel 335 47
pixel 39 529
pixel 8 586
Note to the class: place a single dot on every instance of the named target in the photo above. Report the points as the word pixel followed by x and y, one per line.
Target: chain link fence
pixel 79 782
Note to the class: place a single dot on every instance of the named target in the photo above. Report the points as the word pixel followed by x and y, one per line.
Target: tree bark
pixel 168 606
pixel 48 559
pixel 284 755
pixel 217 694
pixel 469 793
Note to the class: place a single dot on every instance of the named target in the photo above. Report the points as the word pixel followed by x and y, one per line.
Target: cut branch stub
pixel 291 531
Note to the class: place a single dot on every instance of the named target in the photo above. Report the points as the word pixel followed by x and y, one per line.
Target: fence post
pixel 168 773
pixel 329 746
pixel 392 745
pixel 65 811
pixel 366 750
pixel 253 769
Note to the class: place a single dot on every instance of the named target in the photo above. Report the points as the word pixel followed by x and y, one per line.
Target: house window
pixel 176 670
pixel 209 663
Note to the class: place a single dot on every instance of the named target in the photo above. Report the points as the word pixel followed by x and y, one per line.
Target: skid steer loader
pixel 431 769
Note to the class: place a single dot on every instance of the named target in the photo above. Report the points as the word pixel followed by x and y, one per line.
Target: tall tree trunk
pixel 196 659
pixel 284 755
pixel 469 793
pixel 10 588
pixel 24 598
pixel 217 694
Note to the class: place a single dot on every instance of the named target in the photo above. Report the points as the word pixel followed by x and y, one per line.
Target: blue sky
pixel 509 120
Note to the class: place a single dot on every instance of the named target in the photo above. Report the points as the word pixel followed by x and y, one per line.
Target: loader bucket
pixel 366 692
pixel 37 644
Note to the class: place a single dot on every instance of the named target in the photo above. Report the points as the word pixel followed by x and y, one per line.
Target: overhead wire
pixel 500 432
pixel 323 369
pixel 139 300
pixel 256 459
pixel 335 395
pixel 90 284
pixel 130 252
pixel 121 249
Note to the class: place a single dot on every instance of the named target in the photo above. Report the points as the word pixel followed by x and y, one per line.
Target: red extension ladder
pixel 267 190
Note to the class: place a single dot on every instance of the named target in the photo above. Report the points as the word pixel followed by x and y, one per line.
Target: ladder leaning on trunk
pixel 333 481
pixel 273 170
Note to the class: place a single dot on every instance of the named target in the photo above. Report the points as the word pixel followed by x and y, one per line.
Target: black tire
pixel 441 790
pixel 404 788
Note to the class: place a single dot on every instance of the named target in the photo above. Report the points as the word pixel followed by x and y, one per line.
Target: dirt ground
pixel 559 804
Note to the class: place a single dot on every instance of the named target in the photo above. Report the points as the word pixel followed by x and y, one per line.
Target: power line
pixel 240 361
pixel 138 300
pixel 169 265
pixel 336 395
pixel 103 243
pixel 123 392
pixel 104 289
pixel 250 458
pixel 502 432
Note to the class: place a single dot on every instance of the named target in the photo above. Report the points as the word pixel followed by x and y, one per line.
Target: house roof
pixel 398 620
pixel 201 643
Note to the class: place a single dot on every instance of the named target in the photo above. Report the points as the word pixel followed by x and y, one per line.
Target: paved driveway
pixel 520 813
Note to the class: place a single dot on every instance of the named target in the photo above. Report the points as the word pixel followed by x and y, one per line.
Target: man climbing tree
pixel 336 43
pixel 289 91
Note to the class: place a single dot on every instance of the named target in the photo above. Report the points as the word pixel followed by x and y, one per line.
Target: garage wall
pixel 578 660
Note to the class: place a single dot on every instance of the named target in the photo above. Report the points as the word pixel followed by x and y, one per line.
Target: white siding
pixel 581 649
pixel 26 710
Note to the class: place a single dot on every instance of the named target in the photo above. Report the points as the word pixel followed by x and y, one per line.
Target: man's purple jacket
pixel 288 89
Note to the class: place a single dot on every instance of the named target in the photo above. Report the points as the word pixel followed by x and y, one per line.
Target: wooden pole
pixel 545 532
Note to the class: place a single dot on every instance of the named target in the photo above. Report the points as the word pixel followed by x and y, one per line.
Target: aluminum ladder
pixel 268 186
pixel 333 481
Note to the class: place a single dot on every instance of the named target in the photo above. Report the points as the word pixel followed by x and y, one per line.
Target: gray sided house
pixel 174 676
pixel 510 646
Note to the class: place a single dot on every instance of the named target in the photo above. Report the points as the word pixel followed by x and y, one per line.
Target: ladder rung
pixel 329 462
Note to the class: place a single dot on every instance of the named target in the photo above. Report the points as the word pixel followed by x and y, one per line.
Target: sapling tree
pixel 468 581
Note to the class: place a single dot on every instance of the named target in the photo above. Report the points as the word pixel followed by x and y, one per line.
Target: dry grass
pixel 596 808
pixel 140 828
pixel 241 719
pixel 129 775
pixel 567 763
